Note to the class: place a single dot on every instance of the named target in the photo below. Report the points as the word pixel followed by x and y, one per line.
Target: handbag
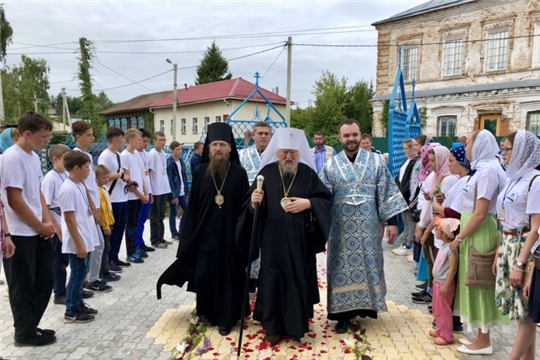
pixel 479 266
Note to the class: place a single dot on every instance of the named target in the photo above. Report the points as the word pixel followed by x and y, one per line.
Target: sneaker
pixel 87 294
pixel 168 242
pixel 87 309
pixel 175 237
pixel 122 263
pixel 79 317
pixel 419 293
pixel 110 277
pixel 98 286
pixel 148 248
pixel 159 245
pixel 457 328
pixel 134 259
pixel 60 300
pixel 402 251
pixel 424 299
pixel 35 340
pixel 422 286
pixel 410 258
pixel 114 268
pixel 140 251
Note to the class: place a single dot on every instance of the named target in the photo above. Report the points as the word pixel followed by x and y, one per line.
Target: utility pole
pixel 175 96
pixel 289 65
pixel 64 109
pixel 35 103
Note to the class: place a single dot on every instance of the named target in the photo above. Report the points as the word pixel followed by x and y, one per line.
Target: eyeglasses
pixel 504 150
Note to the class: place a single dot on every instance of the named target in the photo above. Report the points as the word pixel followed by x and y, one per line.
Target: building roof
pixel 237 88
pixel 430 6
pixel 467 89
pixel 141 102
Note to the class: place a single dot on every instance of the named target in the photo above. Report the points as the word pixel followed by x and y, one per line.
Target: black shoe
pixel 457 328
pixel 78 317
pixel 47 332
pixel 422 286
pixel 272 339
pixel 419 293
pixel 166 242
pixel 87 309
pixel 148 248
pixel 224 330
pixel 424 299
pixel 159 245
pixel 121 263
pixel 36 340
pixel 343 326
pixel 111 277
pixel 114 268
pixel 98 286
pixel 87 294
pixel 60 300
pixel 175 237
pixel 135 259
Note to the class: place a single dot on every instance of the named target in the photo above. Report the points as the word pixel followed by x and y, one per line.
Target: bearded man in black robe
pixel 292 227
pixel 206 257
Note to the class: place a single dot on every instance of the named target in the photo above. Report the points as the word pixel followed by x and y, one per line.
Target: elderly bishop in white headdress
pixel 293 225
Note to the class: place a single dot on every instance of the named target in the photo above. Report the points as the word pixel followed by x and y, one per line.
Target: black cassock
pixel 206 256
pixel 287 283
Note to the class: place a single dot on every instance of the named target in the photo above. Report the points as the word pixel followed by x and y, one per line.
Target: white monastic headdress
pixel 288 138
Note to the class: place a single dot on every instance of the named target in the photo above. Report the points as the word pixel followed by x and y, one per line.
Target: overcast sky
pixel 182 30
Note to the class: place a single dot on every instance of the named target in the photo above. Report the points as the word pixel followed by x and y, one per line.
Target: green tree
pixel 89 107
pixel 300 118
pixel 358 105
pixel 384 116
pixel 213 66
pixel 6 33
pixel 24 83
pixel 74 104
pixel 103 102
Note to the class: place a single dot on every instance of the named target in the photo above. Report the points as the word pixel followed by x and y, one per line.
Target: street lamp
pixel 175 98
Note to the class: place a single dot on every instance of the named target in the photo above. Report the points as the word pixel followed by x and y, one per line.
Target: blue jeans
pixel 74 289
pixel 117 232
pixel 143 215
pixel 182 202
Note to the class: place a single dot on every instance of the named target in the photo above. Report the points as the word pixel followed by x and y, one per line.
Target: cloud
pixel 108 23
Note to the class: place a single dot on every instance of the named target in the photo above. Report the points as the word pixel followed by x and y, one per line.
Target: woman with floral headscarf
pixel 478 229
pixel 518 210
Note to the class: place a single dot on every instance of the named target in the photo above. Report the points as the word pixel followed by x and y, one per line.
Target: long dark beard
pixel 218 166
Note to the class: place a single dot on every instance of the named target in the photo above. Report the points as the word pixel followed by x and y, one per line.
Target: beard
pixel 351 146
pixel 288 168
pixel 219 164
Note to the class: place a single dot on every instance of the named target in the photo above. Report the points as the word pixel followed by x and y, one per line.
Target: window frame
pixel 218 118
pixel 408 74
pixel 536 45
pixel 172 126
pixel 447 41
pixel 446 118
pixel 162 126
pixel 206 123
pixel 537 122
pixel 487 48
pixel 183 126
pixel 195 125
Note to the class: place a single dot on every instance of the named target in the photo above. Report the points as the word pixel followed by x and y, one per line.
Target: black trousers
pixel 60 264
pixel 157 215
pixel 133 207
pixel 29 274
pixel 105 257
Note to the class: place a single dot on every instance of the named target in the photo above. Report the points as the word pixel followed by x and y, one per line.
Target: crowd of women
pixel 474 226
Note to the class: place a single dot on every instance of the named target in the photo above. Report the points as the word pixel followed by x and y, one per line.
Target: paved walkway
pixel 132 324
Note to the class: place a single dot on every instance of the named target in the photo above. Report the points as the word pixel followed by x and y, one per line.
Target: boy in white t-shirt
pixel 137 192
pixel 84 137
pixel 80 234
pixel 29 272
pixel 118 178
pixel 157 164
pixel 141 247
pixel 50 187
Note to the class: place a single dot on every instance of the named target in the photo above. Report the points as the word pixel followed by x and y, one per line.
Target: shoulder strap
pixel 531 183
pixel 115 180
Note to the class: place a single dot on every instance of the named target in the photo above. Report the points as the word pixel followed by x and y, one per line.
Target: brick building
pixel 476 64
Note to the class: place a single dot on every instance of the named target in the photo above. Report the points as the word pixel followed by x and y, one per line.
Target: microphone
pixel 260 180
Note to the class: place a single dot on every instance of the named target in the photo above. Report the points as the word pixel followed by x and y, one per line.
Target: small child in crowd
pixel 106 221
pixel 444 286
pixel 79 234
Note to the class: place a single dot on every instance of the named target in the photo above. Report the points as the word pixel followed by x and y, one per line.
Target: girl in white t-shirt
pixel 518 211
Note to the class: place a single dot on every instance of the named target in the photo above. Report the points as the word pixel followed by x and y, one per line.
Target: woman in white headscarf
pixel 518 210
pixel 475 305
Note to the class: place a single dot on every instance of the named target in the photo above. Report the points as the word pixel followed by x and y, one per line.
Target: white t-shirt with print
pixel 73 198
pixel 50 187
pixel 21 170
pixel 144 159
pixel 132 162
pixel 157 164
pixel 109 159
pixel 486 182
pixel 512 203
pixel 90 181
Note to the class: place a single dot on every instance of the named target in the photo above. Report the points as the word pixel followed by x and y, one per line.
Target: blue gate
pixel 403 122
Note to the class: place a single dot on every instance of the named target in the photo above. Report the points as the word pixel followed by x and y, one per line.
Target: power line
pixel 273 62
pixel 125 77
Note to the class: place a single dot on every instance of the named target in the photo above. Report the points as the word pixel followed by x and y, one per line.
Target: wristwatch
pixel 520 263
pixel 122 177
pixel 7 235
